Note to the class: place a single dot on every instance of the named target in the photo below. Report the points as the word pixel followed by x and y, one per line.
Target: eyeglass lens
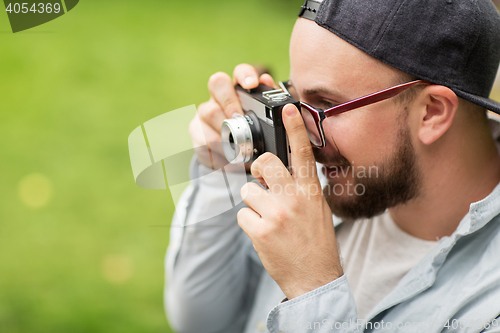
pixel 312 128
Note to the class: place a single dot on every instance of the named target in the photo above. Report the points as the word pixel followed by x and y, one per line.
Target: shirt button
pixel 260 326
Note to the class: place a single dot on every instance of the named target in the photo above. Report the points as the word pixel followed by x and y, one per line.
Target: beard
pixel 397 181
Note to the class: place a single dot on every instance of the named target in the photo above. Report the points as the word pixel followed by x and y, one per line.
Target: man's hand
pixel 291 225
pixel 222 105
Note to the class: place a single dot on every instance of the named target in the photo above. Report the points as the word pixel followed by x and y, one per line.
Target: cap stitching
pixel 387 23
pixel 491 104
pixel 466 59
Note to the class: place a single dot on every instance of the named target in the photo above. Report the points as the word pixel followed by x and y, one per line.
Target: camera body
pixel 261 128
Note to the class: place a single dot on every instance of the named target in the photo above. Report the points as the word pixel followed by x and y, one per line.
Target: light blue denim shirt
pixel 216 282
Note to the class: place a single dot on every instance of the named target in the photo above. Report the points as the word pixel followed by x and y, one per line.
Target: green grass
pixel 71 91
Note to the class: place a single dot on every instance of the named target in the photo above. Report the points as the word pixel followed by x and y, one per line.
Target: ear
pixel 439 106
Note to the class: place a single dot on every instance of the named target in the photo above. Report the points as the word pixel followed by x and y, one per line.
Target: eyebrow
pixel 322 90
pixel 333 95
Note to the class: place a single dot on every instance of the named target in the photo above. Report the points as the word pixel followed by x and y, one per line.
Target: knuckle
pixel 192 127
pixel 305 152
pixel 259 165
pixel 266 158
pixel 255 167
pixel 297 126
pixel 230 104
pixel 218 78
pixel 223 94
pixel 267 79
pixel 202 106
pixel 241 217
pixel 242 69
pixel 211 111
pixel 261 234
pixel 294 200
pixel 281 215
pixel 208 111
pixel 241 74
pixel 238 68
pixel 245 191
pixel 267 76
pixel 201 109
pixel 256 188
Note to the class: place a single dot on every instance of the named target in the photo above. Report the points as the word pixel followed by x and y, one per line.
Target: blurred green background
pixel 80 246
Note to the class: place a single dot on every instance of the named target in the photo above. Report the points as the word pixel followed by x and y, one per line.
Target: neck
pixel 464 173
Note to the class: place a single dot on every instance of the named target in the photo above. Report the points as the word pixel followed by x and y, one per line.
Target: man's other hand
pixel 223 104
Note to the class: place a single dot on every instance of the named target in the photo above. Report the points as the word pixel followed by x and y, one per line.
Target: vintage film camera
pixel 261 129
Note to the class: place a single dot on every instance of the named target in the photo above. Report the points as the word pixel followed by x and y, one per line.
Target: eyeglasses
pixel 313 117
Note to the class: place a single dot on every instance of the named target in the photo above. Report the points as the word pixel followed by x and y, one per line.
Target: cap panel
pixel 425 40
pixel 342 17
pixel 482 64
pixel 455 43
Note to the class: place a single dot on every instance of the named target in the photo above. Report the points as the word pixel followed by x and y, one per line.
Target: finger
pixel 246 76
pixel 222 91
pixel 255 197
pixel 262 182
pixel 303 162
pixel 270 168
pixel 249 221
pixel 268 81
pixel 211 113
pixel 205 140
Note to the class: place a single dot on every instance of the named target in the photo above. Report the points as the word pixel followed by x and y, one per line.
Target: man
pixel 420 235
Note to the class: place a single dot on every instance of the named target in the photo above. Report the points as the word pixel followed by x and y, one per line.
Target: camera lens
pixel 242 139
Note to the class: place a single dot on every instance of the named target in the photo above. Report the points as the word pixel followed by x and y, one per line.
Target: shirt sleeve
pixel 211 267
pixel 330 308
pixel 493 326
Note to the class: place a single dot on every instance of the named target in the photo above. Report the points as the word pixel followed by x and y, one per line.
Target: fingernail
pixel 291 111
pixel 249 81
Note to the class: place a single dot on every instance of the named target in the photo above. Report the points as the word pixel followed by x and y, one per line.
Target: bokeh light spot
pixel 117 269
pixel 35 190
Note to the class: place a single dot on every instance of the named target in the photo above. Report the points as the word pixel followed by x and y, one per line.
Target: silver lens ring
pixel 237 141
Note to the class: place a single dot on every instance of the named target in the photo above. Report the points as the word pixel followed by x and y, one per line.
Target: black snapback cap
pixel 454 43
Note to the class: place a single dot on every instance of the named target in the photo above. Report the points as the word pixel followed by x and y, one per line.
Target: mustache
pixel 331 160
pixel 331 157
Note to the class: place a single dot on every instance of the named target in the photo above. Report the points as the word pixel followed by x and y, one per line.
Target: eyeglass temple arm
pixel 372 98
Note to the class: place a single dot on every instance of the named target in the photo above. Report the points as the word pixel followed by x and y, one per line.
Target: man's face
pixel 370 161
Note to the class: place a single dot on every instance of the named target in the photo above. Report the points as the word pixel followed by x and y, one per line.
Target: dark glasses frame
pixel 320 115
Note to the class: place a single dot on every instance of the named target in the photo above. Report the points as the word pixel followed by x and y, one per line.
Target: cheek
pixel 361 137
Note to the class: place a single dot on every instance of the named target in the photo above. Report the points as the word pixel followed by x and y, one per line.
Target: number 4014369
pixel 39 8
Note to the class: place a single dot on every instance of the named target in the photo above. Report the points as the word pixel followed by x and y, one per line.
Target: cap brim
pixel 484 102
